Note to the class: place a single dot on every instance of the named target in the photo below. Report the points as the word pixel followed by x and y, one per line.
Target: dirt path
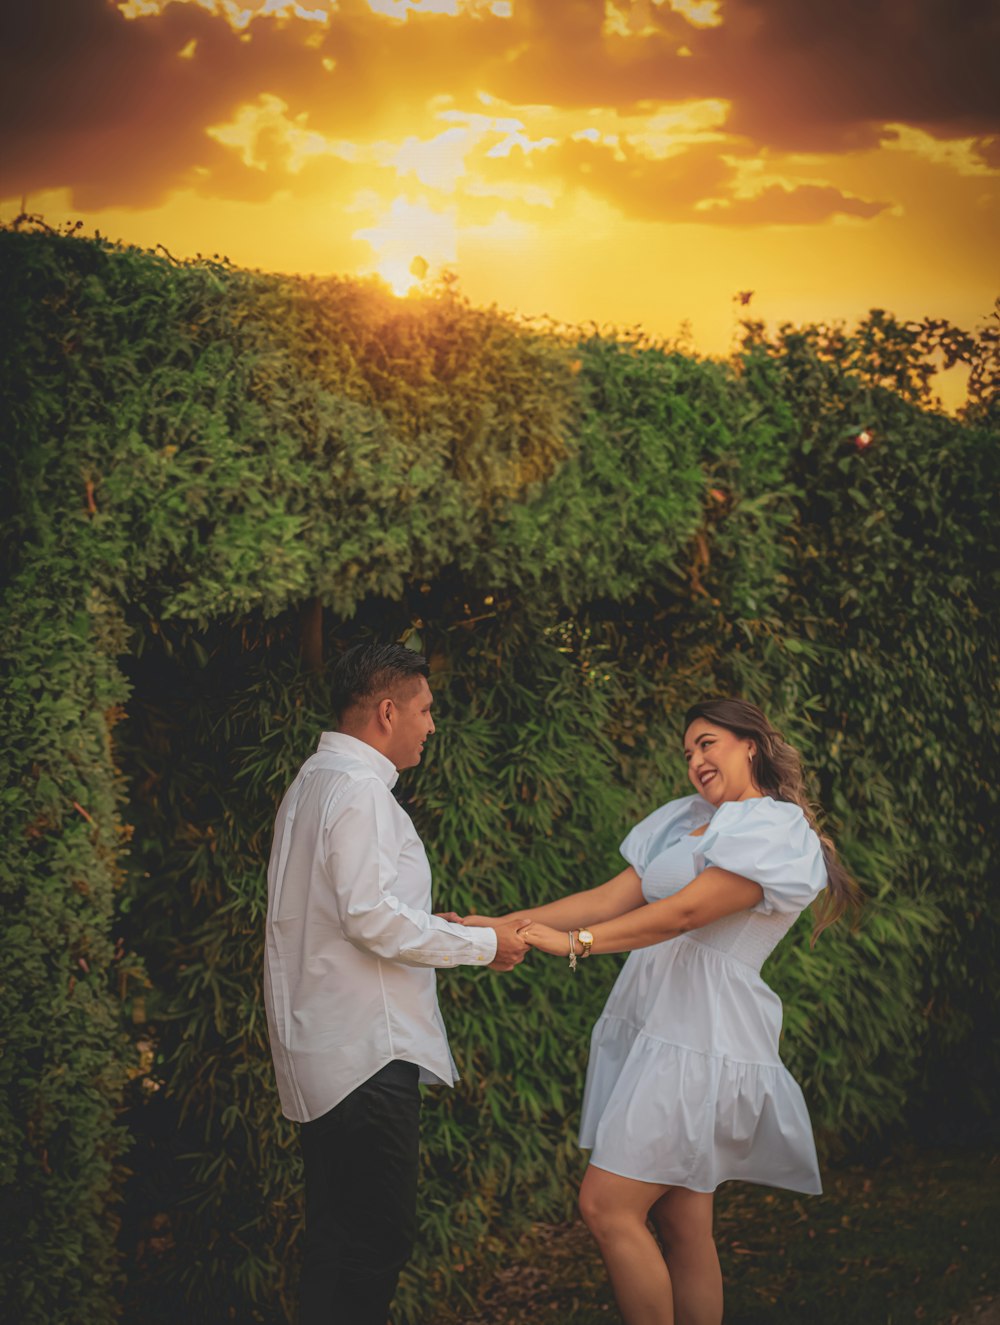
pixel 907 1239
pixel 986 1312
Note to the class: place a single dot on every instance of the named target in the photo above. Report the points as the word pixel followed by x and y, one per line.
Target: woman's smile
pixel 720 762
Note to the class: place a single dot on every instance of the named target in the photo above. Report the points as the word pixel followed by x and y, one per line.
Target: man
pixel 349 983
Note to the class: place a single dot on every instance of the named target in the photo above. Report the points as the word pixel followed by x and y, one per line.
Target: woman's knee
pixel 683 1219
pixel 605 1219
pixel 589 1206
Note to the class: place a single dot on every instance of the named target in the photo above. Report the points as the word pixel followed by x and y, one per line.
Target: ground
pixel 912 1239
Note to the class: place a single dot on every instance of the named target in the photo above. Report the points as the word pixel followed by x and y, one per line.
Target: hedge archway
pixel 221 477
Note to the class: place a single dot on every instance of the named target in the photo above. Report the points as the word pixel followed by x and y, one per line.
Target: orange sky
pixel 633 162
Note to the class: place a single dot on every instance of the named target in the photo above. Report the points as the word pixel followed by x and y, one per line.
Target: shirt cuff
pixel 480 948
pixel 485 944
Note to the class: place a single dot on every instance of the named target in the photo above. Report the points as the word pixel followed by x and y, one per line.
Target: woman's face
pixel 719 762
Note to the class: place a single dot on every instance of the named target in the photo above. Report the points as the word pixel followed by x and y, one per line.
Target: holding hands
pixel 553 941
pixel 531 933
pixel 511 946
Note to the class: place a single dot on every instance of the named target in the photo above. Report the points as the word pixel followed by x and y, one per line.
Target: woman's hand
pixel 488 922
pixel 553 941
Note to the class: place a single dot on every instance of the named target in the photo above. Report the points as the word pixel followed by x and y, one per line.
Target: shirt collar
pixel 343 744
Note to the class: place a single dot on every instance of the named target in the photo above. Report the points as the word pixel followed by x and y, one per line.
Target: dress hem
pixel 640 1030
pixel 707 1191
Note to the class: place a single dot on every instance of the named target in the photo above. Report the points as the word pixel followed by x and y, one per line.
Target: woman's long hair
pixel 777 770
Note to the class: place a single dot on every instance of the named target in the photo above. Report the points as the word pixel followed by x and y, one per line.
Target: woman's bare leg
pixel 615 1210
pixel 683 1220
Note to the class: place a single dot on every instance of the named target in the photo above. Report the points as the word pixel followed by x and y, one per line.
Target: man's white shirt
pixel 351 942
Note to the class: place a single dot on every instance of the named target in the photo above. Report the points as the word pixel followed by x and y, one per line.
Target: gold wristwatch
pixel 586 940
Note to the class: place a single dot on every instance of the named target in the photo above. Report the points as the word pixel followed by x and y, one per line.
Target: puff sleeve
pixel 662 829
pixel 772 843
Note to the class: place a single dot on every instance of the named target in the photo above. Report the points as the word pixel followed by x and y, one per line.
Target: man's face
pixel 411 725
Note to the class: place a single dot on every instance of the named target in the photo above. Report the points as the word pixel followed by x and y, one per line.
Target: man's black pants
pixel 361 1198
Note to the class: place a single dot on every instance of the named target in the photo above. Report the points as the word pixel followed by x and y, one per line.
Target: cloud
pixel 119 109
pixel 988 152
pixel 126 111
pixel 802 204
pixel 828 77
pixel 700 183
pixel 799 76
pixel 639 187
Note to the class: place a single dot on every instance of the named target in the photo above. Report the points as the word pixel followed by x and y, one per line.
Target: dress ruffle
pixel 662 828
pixel 661 1113
pixel 770 842
pixel 685 1085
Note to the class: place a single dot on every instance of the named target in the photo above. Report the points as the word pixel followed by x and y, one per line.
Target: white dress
pixel 684 1084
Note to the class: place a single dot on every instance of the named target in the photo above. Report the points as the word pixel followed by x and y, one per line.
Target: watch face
pixel 586 936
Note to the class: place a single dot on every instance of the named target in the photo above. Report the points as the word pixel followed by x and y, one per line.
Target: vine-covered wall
pixel 217 480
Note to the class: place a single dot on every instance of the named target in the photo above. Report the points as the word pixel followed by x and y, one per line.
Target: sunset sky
pixel 591 160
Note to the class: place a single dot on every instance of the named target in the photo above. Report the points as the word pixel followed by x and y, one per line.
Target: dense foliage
pixel 218 477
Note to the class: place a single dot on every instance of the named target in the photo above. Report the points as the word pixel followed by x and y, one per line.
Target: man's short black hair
pixel 369 670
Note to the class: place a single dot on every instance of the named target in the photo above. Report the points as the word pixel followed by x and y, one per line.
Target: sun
pixel 409 242
pixel 403 277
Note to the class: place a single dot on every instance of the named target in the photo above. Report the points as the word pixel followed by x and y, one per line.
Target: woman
pixel 685 1088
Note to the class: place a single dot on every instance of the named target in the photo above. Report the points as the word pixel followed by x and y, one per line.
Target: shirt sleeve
pixel 771 843
pixel 361 851
pixel 662 829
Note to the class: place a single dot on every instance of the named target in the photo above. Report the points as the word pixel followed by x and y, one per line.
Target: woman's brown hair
pixel 777 770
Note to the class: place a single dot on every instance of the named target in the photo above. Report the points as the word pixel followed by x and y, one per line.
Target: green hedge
pixel 584 534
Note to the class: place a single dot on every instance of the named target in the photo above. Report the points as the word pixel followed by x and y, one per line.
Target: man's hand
pixel 511 948
pixel 451 916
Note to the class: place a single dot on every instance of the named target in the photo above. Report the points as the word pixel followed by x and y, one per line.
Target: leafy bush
pixel 217 475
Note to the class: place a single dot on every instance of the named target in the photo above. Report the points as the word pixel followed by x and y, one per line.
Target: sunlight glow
pixel 637 18
pixel 238 15
pixel 521 140
pixel 478 127
pixel 409 241
pixel 555 172
pixel 481 124
pixel 699 13
pixel 264 136
pixel 669 131
pixel 628 18
pixel 401 9
pixel 131 9
pixel 958 153
pixel 437 162
pixel 532 195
